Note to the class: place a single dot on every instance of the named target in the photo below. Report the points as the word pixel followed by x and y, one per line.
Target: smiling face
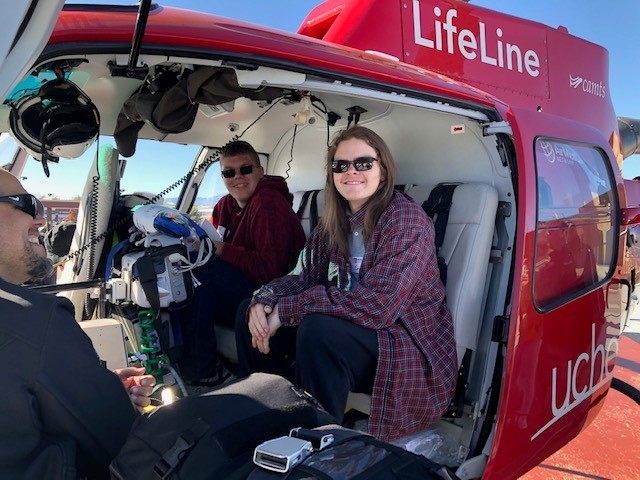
pixel 22 257
pixel 357 187
pixel 241 186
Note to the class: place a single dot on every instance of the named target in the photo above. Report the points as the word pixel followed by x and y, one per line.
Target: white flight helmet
pixel 59 121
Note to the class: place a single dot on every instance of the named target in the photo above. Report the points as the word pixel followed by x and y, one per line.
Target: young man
pixel 262 237
pixel 64 414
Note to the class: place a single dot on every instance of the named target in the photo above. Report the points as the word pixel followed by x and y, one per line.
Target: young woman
pixel 364 310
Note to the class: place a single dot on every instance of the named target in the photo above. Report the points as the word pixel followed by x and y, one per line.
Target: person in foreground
pixel 261 240
pixel 364 310
pixel 64 415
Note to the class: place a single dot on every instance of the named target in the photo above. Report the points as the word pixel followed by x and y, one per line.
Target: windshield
pixel 154 167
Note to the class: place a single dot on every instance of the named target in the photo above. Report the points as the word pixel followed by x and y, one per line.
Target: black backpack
pixel 336 453
pixel 212 436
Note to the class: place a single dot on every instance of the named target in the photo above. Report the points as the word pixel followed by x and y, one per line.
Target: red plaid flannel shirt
pixel 400 296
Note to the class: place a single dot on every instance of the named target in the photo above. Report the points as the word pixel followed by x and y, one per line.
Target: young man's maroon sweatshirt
pixel 264 238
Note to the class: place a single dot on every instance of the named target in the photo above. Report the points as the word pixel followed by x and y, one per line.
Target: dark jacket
pixel 264 238
pixel 63 413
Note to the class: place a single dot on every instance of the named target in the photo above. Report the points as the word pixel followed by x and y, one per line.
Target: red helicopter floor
pixel 609 448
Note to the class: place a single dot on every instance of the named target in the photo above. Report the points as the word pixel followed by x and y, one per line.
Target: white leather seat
pixel 466 249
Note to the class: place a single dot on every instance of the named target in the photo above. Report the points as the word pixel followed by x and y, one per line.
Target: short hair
pixel 239 147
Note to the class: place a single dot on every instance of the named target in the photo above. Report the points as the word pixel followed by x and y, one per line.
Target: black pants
pixel 215 301
pixel 326 356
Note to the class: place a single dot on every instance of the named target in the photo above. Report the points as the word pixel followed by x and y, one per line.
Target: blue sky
pixel 612 24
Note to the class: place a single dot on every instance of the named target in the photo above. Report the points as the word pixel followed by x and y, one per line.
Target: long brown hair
pixel 334 221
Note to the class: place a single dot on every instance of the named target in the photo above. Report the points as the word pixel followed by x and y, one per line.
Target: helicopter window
pixel 575 234
pixel 157 165
pixel 211 190
pixel 152 168
pixel 66 180
pixel 8 150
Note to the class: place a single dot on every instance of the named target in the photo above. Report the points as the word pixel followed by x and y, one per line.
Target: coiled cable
pixel 124 220
pixel 150 343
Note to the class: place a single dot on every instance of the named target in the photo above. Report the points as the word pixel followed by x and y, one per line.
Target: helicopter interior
pixel 432 139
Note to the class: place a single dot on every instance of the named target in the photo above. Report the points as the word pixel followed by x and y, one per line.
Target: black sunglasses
pixel 230 172
pixel 361 164
pixel 25 202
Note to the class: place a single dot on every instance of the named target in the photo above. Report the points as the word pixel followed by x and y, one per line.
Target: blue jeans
pixel 214 302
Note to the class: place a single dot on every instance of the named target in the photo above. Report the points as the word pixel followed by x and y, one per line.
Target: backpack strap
pixel 185 442
pixel 149 281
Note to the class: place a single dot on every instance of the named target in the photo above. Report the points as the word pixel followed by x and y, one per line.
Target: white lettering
pixel 559 411
pixel 598 359
pixel 588 86
pixel 497 54
pixel 612 353
pixel 511 51
pixel 594 353
pixel 483 48
pixel 438 12
pixel 417 29
pixel 597 89
pixel 574 388
pixel 500 52
pixel 467 40
pixel 531 63
pixel 450 28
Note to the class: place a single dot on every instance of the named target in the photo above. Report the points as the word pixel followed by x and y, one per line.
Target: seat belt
pixel 313 208
pixel 313 211
pixel 303 203
pixel 437 206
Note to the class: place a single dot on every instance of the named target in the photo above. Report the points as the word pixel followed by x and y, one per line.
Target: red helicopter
pixel 542 259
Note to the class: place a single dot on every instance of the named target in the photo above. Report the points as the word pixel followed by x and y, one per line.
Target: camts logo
pixel 574 82
pixel 588 86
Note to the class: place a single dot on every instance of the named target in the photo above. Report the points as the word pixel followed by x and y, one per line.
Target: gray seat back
pixel 466 248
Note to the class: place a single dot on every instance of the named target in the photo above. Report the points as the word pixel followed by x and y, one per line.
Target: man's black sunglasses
pixel 26 203
pixel 230 172
pixel 361 164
